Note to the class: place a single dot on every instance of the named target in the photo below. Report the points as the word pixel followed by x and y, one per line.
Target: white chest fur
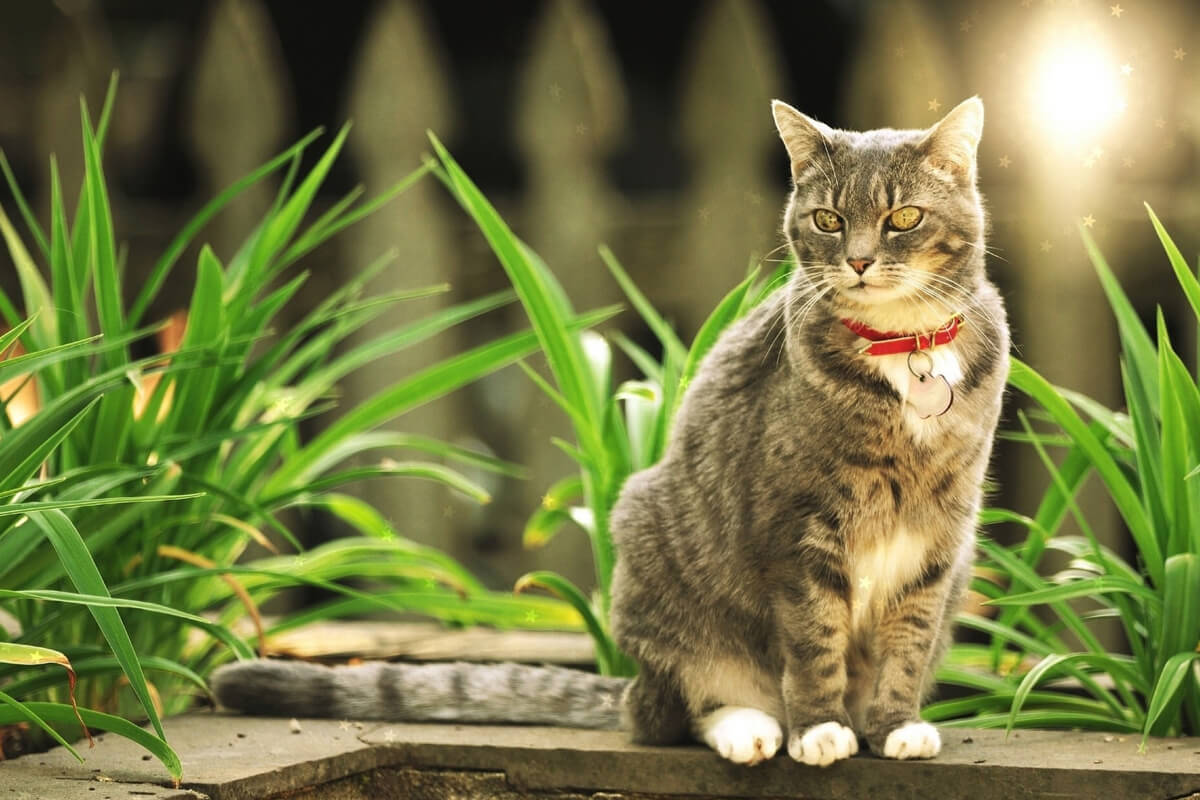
pixel 879 569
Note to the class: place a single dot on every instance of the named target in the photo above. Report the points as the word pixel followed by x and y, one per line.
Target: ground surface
pixel 238 758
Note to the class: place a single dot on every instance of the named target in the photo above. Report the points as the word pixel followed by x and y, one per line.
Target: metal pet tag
pixel 930 395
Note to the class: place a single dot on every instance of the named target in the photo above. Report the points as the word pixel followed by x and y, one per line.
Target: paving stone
pixel 229 757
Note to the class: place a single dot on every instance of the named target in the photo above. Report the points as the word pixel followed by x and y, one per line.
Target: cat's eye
pixel 827 221
pixel 904 219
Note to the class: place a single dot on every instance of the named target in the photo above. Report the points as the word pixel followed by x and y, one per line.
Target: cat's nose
pixel 860 265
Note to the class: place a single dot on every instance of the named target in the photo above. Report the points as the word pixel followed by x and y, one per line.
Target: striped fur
pixel 795 560
pixel 453 692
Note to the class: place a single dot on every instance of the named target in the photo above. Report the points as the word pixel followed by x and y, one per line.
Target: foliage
pixel 618 431
pixel 149 477
pixel 1147 457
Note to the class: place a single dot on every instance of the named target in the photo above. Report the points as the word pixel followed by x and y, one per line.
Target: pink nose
pixel 860 265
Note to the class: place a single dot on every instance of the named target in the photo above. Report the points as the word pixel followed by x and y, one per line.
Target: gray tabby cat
pixel 795 560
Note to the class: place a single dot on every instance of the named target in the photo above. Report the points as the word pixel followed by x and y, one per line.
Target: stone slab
pixel 429 641
pixel 228 757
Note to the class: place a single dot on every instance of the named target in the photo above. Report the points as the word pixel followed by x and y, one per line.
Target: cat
pixel 795 560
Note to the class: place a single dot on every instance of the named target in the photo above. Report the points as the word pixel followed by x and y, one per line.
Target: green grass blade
pixel 108 605
pixel 1123 494
pixel 1102 584
pixel 106 108
pixel 389 469
pixel 661 328
pixel 649 366
pixel 1179 409
pixel 1138 349
pixel 18 712
pixel 162 267
pixel 68 298
pixel 416 390
pixel 27 447
pixel 334 222
pixel 565 590
pixel 37 297
pixel 1187 281
pixel 543 298
pixel 35 230
pixel 726 312
pixel 60 714
pixel 81 568
pixel 280 226
pixel 1180 631
pixel 102 247
pixel 106 665
pixel 1042 670
pixel 16 509
pixel 1166 698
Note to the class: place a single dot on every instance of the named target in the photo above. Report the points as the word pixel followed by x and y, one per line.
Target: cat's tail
pixel 453 692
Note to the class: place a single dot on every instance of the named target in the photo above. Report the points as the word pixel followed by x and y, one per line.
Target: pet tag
pixel 930 395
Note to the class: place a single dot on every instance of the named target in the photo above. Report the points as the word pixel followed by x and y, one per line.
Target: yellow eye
pixel 905 219
pixel 827 220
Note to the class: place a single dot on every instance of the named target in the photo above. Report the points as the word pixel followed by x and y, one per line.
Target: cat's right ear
pixel 802 135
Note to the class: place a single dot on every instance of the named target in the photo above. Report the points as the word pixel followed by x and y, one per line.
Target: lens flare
pixel 1077 91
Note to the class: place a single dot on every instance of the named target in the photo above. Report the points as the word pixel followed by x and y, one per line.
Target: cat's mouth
pixel 866 292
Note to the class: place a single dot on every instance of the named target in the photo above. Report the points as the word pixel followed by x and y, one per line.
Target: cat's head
pixel 885 225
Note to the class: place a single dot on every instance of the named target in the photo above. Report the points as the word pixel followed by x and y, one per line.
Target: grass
pixel 1146 456
pixel 149 477
pixel 618 429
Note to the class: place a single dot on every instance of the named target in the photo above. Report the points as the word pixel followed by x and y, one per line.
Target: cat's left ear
pixel 951 144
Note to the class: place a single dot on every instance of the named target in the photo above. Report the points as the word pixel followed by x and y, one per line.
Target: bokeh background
pixel 643 125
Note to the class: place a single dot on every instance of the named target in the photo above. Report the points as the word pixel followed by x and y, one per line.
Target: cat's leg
pixel 813 615
pixel 735 704
pixel 654 709
pixel 909 640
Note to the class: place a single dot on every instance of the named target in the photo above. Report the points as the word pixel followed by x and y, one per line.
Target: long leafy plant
pixel 149 477
pixel 618 429
pixel 1045 664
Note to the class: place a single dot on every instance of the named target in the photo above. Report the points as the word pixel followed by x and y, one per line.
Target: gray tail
pixel 454 692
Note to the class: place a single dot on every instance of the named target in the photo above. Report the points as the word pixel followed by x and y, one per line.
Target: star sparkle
pixel 1005 161
pixel 1089 221
pixel 1045 246
pixel 965 26
pixel 1116 10
pixel 1180 53
pixel 934 104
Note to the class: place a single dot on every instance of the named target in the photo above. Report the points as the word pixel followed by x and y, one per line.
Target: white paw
pixel 742 735
pixel 913 740
pixel 823 744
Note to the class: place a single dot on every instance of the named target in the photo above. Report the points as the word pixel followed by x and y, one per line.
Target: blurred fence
pixel 571 113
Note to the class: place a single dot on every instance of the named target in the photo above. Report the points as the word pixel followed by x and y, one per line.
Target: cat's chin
pixel 865 296
pixel 891 308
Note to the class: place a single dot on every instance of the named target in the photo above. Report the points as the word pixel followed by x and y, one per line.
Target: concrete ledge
pixel 237 758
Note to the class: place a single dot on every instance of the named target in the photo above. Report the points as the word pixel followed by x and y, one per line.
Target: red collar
pixel 888 342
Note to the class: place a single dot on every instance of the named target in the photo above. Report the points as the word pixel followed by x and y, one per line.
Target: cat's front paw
pixel 913 740
pixel 822 744
pixel 742 735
